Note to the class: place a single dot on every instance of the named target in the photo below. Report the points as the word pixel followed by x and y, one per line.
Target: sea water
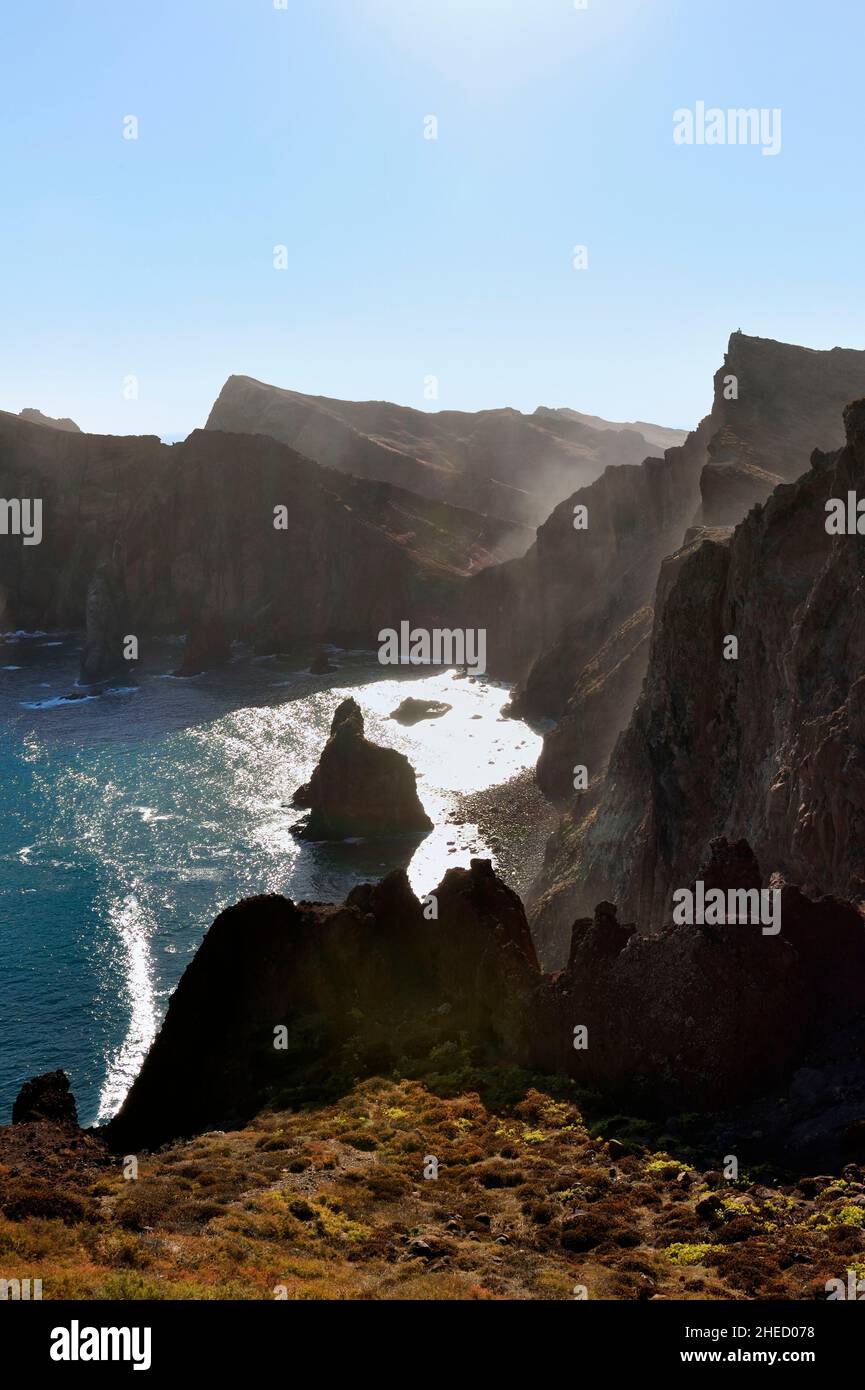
pixel 129 820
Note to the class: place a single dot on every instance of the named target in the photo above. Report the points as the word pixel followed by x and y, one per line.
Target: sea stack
pixel 206 645
pixel 359 788
pixel 107 623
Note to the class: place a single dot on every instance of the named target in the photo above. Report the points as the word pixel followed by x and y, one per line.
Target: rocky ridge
pixel 299 1000
pixel 496 462
pixel 35 417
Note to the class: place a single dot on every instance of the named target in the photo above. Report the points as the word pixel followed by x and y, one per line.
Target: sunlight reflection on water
pixel 133 822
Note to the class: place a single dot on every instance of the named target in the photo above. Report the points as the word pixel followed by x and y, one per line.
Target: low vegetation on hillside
pixel 332 1202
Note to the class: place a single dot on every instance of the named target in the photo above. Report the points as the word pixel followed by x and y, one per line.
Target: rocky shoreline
pixel 516 820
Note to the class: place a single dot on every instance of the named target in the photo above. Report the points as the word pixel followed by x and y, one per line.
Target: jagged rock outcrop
pixel 288 1002
pixel 359 788
pixel 35 417
pixel 46 1098
pixel 106 618
pixel 496 462
pixel 194 523
pixel 705 1015
pixel 730 865
pixel 769 746
pixel 364 986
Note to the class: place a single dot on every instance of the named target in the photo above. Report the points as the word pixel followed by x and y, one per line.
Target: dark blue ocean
pixel 130 820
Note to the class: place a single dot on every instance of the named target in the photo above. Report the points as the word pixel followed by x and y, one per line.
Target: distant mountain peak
pixel 36 417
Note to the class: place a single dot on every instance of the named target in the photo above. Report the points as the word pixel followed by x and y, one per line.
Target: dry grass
pixel 332 1203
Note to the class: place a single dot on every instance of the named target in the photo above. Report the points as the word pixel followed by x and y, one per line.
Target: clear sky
pixel 407 257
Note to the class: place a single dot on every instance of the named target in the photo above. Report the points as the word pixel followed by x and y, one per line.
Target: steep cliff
pixel 190 531
pixel 562 620
pixel 497 462
pixel 768 744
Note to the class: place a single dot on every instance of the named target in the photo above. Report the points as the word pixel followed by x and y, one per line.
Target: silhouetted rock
pixel 359 788
pixel 47 1097
pixel 299 1000
pixel 321 664
pixel 412 710
pixel 729 866
pixel 357 987
pixel 206 646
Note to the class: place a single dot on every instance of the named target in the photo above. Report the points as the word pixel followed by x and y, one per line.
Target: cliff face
pixel 563 620
pixel 768 746
pixel 789 401
pixel 608 683
pixel 288 1002
pixel 497 462
pixel 190 531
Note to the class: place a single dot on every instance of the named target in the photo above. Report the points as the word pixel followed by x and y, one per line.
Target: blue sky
pixel 409 258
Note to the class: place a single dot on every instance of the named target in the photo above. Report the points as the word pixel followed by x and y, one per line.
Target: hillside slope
pixel 498 462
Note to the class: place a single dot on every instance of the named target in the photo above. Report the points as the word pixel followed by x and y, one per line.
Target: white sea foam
pixel 133 928
pixel 56 701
